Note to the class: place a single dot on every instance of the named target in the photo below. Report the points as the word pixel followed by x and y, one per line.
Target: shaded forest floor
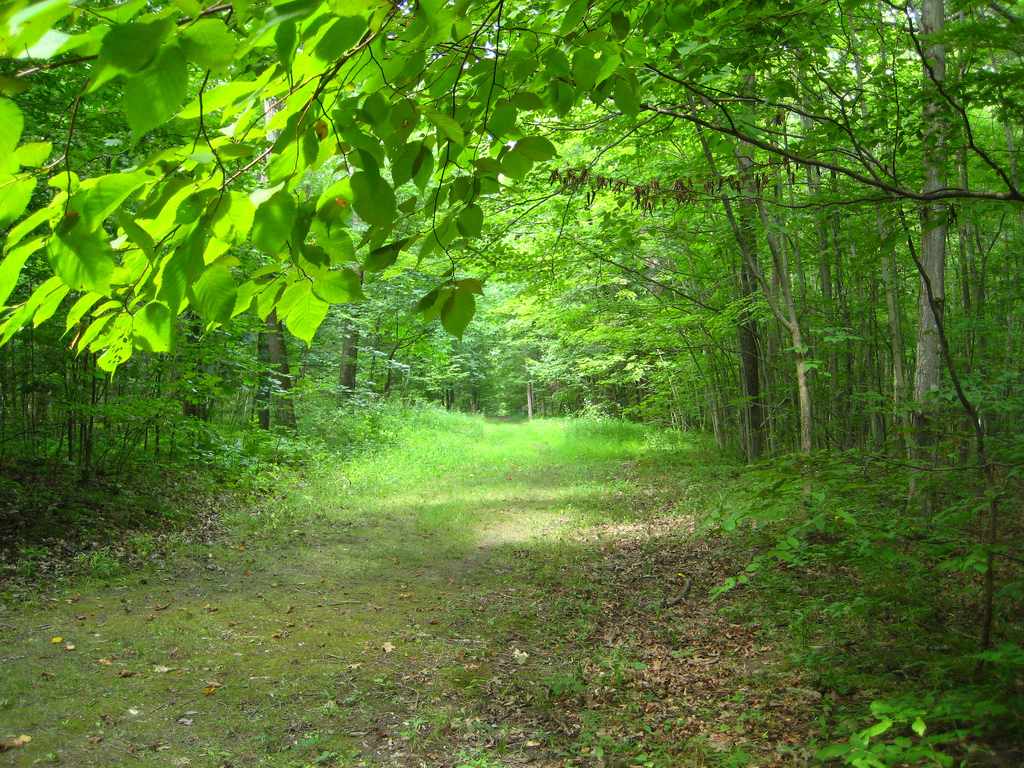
pixel 488 594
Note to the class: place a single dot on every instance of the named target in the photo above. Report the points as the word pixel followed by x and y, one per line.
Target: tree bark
pixel 927 374
pixel 349 360
pixel 788 316
pixel 278 379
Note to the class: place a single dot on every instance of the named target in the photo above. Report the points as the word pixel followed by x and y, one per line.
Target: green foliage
pixel 283 216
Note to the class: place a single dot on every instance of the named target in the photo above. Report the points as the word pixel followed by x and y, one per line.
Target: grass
pixel 360 611
pixel 481 595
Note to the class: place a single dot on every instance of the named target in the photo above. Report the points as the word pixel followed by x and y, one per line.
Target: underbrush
pixel 58 523
pixel 881 605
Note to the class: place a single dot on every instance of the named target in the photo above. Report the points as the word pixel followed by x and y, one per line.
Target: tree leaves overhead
pixel 153 96
pixel 81 258
pixel 458 311
pixel 374 200
pixel 209 43
pixel 214 294
pixel 299 138
pixel 12 122
pixel 153 327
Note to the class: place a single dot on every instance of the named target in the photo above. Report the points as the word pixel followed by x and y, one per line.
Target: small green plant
pixel 470 760
pixel 563 685
pixel 100 564
pixel 899 736
pixel 29 560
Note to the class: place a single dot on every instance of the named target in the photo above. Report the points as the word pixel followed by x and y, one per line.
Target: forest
pixel 493 384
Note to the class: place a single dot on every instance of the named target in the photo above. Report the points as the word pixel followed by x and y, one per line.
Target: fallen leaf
pixel 14 742
pixel 56 639
pixel 161 669
pixel 388 647
pixel 104 662
pixel 212 687
pixel 125 673
pixel 69 646
pixel 519 656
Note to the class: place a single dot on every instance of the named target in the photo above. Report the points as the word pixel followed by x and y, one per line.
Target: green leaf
pixel 374 199
pixel 573 16
pixel 39 297
pixel 471 220
pixel 585 68
pixel 447 125
pixel 502 120
pixel 432 303
pixel 33 154
pixel 402 162
pixel 877 729
pixel 82 259
pixel 458 311
pixel 209 43
pixel 306 315
pixel 153 96
pixel 96 327
pixel 26 22
pixel 918 726
pixel 338 286
pixel 132 47
pixel 833 751
pixel 422 167
pixel 11 125
pixel 233 218
pixel 620 24
pixel 117 345
pixel 214 294
pixel 536 148
pixel 77 311
pixel 273 222
pixel 286 40
pixel 49 305
pixel 11 266
pixel 625 96
pixel 294 293
pixel 153 327
pixel 340 36
pixel 334 240
pixel 98 198
pixel 381 258
pixel 14 198
pixel 515 164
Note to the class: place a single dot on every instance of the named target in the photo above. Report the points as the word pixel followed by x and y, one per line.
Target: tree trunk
pixel 349 360
pixel 927 374
pixel 278 381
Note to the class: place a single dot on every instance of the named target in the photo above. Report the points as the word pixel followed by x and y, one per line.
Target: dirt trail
pixel 516 598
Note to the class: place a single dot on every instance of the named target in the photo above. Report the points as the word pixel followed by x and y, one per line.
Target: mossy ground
pixel 480 594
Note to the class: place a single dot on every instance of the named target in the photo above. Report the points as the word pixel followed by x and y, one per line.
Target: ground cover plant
pixel 484 382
